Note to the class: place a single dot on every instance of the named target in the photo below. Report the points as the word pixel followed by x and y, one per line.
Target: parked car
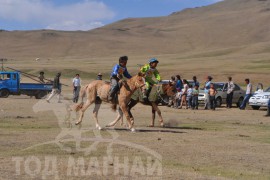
pixel 259 99
pixel 221 87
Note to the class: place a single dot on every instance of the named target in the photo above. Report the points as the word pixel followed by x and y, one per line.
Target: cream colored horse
pixel 101 89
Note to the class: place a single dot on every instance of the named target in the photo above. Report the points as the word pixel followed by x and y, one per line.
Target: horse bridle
pixel 138 86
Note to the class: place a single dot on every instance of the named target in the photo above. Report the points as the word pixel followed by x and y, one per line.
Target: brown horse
pixel 100 89
pixel 159 91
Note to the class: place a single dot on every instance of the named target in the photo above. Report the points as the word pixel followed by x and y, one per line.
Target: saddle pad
pixel 153 96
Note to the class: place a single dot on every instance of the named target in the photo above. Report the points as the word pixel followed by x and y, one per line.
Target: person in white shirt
pixel 184 95
pixel 248 94
pixel 76 82
pixel 230 89
pixel 268 109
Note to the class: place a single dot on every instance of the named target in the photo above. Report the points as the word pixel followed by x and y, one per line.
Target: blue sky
pixel 83 14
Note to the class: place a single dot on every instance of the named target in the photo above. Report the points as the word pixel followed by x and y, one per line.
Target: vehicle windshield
pixel 267 90
pixel 164 82
pixel 219 86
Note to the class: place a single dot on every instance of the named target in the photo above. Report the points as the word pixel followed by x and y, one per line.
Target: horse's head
pixel 140 81
pixel 169 89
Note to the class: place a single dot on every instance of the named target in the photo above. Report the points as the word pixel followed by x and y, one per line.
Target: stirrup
pixel 110 98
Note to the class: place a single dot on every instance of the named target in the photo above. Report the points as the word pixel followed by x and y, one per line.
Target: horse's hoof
pixel 132 121
pixel 133 130
pixel 161 124
pixel 77 123
pixel 98 127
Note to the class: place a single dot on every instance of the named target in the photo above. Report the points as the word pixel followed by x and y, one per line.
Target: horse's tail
pixel 79 106
pixel 83 92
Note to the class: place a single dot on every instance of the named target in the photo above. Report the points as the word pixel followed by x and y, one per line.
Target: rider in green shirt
pixel 149 70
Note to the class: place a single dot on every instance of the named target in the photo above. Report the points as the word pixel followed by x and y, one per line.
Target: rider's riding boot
pixel 268 112
pixel 146 94
pixel 112 93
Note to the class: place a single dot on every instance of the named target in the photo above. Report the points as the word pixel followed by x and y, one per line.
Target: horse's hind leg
pixel 85 106
pixel 153 117
pixel 95 113
pixel 155 107
pixel 119 117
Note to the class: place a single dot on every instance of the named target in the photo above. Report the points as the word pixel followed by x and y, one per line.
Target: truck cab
pixel 10 85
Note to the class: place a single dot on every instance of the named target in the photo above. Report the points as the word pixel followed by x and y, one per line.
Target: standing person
pixel 41 77
pixel 118 71
pixel 184 94
pixel 173 81
pixel 212 96
pixel 179 87
pixel 268 109
pixel 172 98
pixel 189 95
pixel 248 94
pixel 179 83
pixel 99 76
pixel 149 70
pixel 195 96
pixel 76 82
pixel 230 89
pixel 195 82
pixel 206 91
pixel 56 89
pixel 177 100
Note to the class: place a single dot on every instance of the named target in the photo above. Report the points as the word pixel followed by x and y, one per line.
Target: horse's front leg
pixel 124 108
pixel 131 104
pixel 155 107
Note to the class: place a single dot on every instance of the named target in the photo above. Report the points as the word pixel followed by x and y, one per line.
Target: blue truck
pixel 10 85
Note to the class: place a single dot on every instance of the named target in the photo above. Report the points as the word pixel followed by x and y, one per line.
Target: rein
pixel 136 84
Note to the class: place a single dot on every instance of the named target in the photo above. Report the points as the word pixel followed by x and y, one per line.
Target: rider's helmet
pixel 152 60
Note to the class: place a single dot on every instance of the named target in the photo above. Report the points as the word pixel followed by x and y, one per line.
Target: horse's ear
pixel 141 74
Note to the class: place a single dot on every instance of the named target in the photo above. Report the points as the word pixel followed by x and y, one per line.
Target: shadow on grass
pixel 148 130
pixel 192 128
pixel 158 129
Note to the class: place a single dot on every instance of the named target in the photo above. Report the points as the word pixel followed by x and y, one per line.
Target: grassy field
pixel 225 144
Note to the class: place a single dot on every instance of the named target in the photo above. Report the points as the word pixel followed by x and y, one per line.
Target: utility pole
pixel 2 60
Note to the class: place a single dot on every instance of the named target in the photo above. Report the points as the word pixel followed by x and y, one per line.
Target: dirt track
pixel 226 143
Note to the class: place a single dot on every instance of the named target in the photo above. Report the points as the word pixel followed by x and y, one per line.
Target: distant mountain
pixel 234 25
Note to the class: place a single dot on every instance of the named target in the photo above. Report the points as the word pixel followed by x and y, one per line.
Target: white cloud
pixel 73 26
pixel 82 15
